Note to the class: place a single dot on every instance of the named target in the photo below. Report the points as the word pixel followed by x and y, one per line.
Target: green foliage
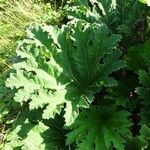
pixel 145 137
pixel 138 57
pixel 70 86
pixel 29 132
pixel 134 143
pixel 124 94
pixel 56 66
pixel 15 15
pixel 112 12
pixel 138 61
pixel 124 17
pixel 102 128
pixel 6 106
pixel 144 93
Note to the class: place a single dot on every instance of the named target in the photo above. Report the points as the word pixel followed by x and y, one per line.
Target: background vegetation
pixel 119 100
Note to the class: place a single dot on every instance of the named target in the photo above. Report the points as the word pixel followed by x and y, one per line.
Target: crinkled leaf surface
pixel 114 13
pixel 29 132
pixel 102 128
pixel 64 67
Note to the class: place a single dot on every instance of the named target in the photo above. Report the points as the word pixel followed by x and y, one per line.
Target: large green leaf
pixel 102 128
pixel 29 132
pixel 64 67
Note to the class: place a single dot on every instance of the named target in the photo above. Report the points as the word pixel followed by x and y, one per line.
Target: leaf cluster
pixel 72 83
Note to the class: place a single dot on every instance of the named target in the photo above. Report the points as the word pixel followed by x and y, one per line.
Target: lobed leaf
pixel 64 67
pixel 103 127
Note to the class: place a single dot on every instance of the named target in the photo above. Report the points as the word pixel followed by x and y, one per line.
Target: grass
pixel 15 15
